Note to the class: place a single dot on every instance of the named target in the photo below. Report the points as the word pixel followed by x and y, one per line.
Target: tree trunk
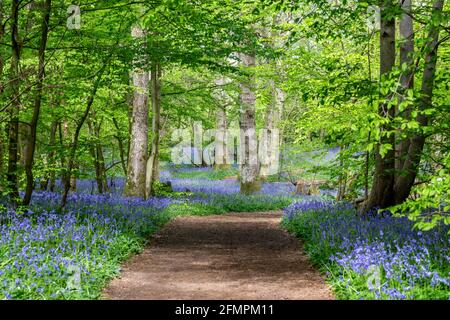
pixel 2 59
pixel 410 166
pixel 96 151
pixel 382 192
pixel 51 155
pixel 249 167
pixel 221 160
pixel 101 160
pixel 270 141
pixel 2 155
pixel 73 178
pixel 63 134
pixel 68 179
pixel 269 153
pixel 152 165
pixel 137 157
pixel 29 156
pixel 221 153
pixel 123 160
pixel 13 127
pixel 406 79
pixel 93 152
pixel 342 181
pixel 24 143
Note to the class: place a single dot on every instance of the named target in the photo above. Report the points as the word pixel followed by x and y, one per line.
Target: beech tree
pixel 248 148
pixel 76 89
pixel 138 153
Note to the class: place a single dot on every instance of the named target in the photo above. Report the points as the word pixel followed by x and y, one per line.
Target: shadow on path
pixel 232 256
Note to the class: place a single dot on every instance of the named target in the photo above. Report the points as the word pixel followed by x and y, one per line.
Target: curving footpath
pixel 231 256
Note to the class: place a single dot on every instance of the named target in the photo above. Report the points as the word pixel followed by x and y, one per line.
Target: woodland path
pixel 230 256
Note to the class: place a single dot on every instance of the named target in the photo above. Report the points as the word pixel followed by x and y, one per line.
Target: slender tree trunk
pixel 101 160
pixel 29 156
pixel 24 143
pixel 152 165
pixel 221 152
pixel 2 155
pixel 382 192
pixel 410 166
pixel 342 178
pixel 406 79
pixel 221 160
pixel 100 156
pixel 96 151
pixel 249 168
pixel 138 152
pixel 73 177
pixel 51 155
pixel 93 151
pixel 63 136
pixel 68 181
pixel 123 160
pixel 367 158
pixel 2 59
pixel 270 140
pixel 13 127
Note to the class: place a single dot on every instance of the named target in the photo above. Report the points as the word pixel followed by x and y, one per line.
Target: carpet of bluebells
pixel 45 254
pixel 49 255
pixel 375 257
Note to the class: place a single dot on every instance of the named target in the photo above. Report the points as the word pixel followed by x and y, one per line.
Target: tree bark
pixel 63 136
pixel 152 165
pixel 2 59
pixel 221 156
pixel 123 158
pixel 382 192
pixel 249 167
pixel 13 127
pixel 101 159
pixel 93 152
pixel 406 78
pixel 138 153
pixel 29 156
pixel 51 155
pixel 96 151
pixel 2 155
pixel 270 140
pixel 221 152
pixel 410 166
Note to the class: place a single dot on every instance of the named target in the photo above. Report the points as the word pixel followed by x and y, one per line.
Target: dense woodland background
pixel 356 94
pixel 101 99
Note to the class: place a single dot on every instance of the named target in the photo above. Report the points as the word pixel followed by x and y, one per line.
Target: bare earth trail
pixel 231 256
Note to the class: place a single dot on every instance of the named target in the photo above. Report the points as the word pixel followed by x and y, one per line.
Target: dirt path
pixel 232 256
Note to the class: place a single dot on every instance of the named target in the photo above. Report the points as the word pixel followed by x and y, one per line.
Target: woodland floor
pixel 231 256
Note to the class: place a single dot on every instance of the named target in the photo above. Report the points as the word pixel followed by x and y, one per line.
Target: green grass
pixel 208 175
pixel 219 204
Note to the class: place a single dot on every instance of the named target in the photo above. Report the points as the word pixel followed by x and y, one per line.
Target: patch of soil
pixel 232 256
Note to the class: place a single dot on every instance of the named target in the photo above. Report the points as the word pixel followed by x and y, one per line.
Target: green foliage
pixel 218 174
pixel 431 205
pixel 162 189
